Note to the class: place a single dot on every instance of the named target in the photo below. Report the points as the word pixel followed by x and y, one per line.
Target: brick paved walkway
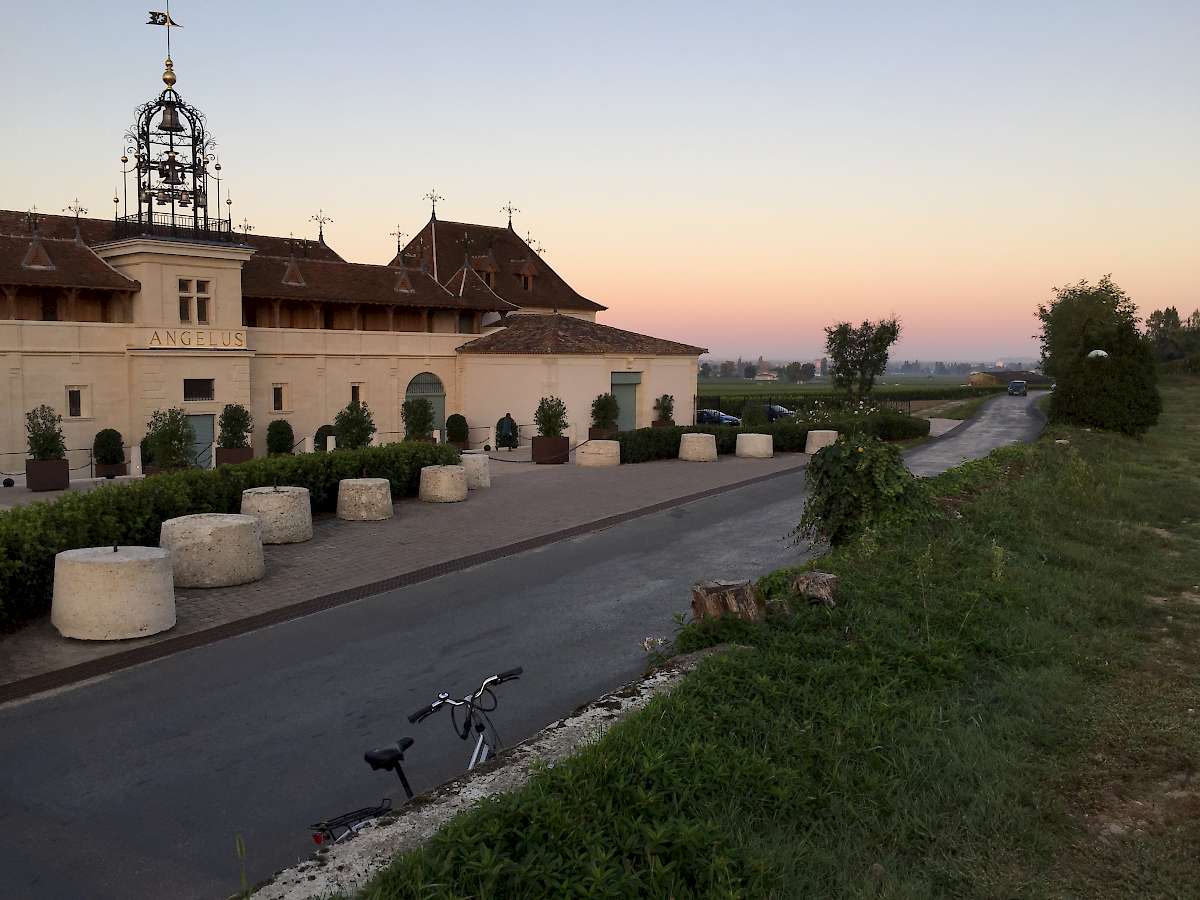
pixel 543 501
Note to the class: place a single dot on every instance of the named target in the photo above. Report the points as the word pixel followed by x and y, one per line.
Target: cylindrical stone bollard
pixel 443 484
pixel 598 454
pixel 818 439
pixel 102 595
pixel 364 499
pixel 214 549
pixel 284 513
pixel 755 446
pixel 698 447
pixel 478 469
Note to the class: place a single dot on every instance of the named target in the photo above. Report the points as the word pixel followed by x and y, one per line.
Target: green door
pixel 429 386
pixel 202 431
pixel 624 389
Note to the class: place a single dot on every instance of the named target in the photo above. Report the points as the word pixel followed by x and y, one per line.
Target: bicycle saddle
pixel 388 758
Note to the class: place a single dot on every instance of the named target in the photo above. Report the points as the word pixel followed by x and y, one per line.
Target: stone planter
pixel 818 439
pixel 106 595
pixel 478 468
pixel 443 484
pixel 284 513
pixel 364 499
pixel 663 423
pixel 601 434
pixel 551 451
pixel 111 470
pixel 598 454
pixel 47 474
pixel 231 456
pixel 698 447
pixel 214 549
pixel 755 446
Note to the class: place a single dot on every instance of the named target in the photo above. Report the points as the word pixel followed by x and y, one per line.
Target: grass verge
pixel 991 680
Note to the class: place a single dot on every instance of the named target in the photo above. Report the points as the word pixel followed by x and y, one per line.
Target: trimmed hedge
pixel 885 424
pixel 130 514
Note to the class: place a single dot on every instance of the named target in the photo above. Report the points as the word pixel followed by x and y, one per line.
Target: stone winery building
pixel 167 305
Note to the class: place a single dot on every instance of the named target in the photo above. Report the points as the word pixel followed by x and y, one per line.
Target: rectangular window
pixel 198 389
pixel 202 310
pixel 74 403
pixel 526 282
pixel 185 309
pixel 356 393
pixel 185 286
pixel 49 310
pixel 277 397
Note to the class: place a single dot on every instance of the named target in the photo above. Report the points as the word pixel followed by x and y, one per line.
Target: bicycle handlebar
pixel 426 711
pixel 510 675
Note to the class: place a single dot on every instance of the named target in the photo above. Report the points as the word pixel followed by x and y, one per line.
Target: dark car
pixel 1017 389
pixel 715 417
pixel 776 412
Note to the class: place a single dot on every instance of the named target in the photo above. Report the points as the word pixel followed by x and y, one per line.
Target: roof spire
pixel 510 209
pixel 322 220
pixel 399 236
pixel 164 18
pixel 433 197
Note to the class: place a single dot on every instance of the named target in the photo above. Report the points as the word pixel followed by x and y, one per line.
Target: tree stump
pixel 714 599
pixel 817 587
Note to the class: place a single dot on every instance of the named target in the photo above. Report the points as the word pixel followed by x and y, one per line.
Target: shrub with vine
pixel 855 484
pixel 44 427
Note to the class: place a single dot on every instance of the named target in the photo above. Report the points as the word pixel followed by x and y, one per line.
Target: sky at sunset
pixel 734 175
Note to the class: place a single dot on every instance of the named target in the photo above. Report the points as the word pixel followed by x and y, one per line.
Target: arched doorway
pixel 430 387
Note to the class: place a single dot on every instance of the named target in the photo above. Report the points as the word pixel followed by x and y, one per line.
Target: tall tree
pixel 824 366
pixel 749 370
pixel 728 368
pixel 792 372
pixel 807 371
pixel 859 354
pixel 705 370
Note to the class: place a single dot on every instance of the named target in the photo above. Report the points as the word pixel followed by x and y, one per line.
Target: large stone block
pixel 364 499
pixel 477 465
pixel 755 446
pixel 443 484
pixel 816 440
pixel 107 594
pixel 598 454
pixel 214 549
pixel 284 513
pixel 714 599
pixel 698 447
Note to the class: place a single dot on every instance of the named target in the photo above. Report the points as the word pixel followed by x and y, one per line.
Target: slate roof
pixel 530 334
pixel 492 249
pixel 53 257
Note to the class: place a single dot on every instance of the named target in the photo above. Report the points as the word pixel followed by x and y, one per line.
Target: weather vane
pixel 33 218
pixel 164 18
pixel 534 244
pixel 74 207
pixel 433 197
pixel 510 209
pixel 399 236
pixel 322 220
pixel 246 226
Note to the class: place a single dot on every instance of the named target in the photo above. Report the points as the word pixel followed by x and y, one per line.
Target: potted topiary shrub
pixel 417 413
pixel 551 446
pixel 280 438
pixel 320 439
pixel 664 411
pixel 108 454
pixel 457 432
pixel 168 442
pixel 605 411
pixel 233 440
pixel 47 468
pixel 354 426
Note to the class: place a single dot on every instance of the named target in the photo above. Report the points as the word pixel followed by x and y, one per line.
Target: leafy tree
pixel 749 370
pixel 859 355
pixel 417 413
pixel 728 368
pixel 169 439
pixel 824 366
pixel 551 417
pixel 664 408
pixel 1117 390
pixel 792 372
pixel 107 448
pixel 456 428
pixel 705 370
pixel 44 428
pixel 754 414
pixel 354 426
pixel 236 424
pixel 605 411
pixel 808 372
pixel 280 437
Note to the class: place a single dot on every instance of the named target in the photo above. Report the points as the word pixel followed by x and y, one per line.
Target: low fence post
pixel 135 460
pixel 308 444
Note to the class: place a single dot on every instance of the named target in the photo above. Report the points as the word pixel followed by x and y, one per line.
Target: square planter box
pixel 111 470
pixel 47 474
pixel 231 456
pixel 602 434
pixel 551 451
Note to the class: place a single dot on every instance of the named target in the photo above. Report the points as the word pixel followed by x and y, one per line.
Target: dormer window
pixel 488 278
pixel 526 282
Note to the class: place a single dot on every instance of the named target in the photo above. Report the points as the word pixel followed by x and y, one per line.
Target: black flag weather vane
pixel 164 18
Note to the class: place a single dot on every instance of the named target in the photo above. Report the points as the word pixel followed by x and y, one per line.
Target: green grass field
pixel 1003 704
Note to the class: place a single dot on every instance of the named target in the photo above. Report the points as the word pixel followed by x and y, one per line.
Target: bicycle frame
pixel 488 741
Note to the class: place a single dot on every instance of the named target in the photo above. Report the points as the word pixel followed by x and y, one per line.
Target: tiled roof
pixel 493 249
pixel 466 283
pixel 297 278
pixel 265 245
pixel 529 334
pixel 55 262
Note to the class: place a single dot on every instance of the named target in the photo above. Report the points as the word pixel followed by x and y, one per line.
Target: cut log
pixel 817 587
pixel 714 599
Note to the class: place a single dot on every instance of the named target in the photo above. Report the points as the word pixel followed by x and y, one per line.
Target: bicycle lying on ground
pixel 391 758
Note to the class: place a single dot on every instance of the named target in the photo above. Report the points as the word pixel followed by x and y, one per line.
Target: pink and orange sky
pixel 732 175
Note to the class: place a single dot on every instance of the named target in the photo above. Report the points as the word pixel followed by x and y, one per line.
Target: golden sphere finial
pixel 169 73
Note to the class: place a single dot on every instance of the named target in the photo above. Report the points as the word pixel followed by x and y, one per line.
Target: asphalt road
pixel 135 785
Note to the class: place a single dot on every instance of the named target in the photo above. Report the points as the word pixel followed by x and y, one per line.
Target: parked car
pixel 1017 389
pixel 715 417
pixel 776 412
